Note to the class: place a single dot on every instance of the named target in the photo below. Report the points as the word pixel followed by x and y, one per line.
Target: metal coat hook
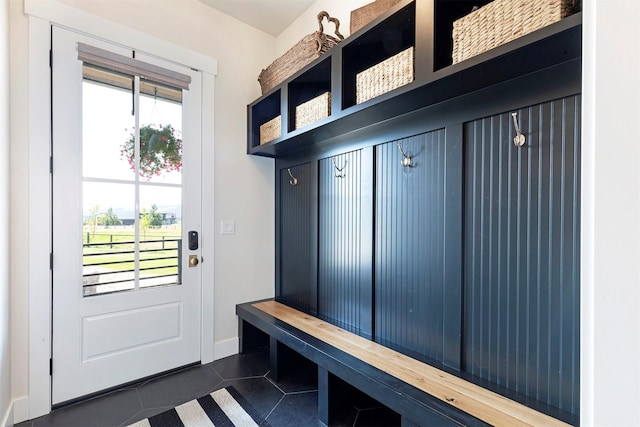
pixel 406 160
pixel 339 172
pixel 293 180
pixel 519 139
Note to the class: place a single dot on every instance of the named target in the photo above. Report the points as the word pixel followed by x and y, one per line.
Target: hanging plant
pixel 160 150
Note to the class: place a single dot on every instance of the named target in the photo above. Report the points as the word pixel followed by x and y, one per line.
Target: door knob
pixel 193 260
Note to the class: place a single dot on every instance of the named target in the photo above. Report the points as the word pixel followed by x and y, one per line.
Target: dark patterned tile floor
pixel 290 401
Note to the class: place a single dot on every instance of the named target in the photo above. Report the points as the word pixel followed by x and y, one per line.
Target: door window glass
pixel 132 183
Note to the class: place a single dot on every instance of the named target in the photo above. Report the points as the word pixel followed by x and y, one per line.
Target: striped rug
pixel 224 407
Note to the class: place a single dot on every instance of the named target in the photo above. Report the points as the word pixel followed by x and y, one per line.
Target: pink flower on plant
pixel 154 158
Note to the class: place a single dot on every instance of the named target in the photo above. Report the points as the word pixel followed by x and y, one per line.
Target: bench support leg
pixel 241 344
pixel 274 359
pixel 250 337
pixel 323 396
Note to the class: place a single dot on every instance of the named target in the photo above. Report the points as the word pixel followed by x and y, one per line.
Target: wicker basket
pixel 313 110
pixel 502 21
pixel 367 13
pixel 387 75
pixel 301 54
pixel 270 130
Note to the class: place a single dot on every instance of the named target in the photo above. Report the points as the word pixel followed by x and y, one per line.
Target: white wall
pixel 307 23
pixel 19 171
pixel 610 309
pixel 5 345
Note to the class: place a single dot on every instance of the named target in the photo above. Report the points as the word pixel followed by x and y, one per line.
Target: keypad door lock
pixel 193 240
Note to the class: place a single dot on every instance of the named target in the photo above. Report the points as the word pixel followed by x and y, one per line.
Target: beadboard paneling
pixel 340 213
pixel 521 252
pixel 410 245
pixel 297 222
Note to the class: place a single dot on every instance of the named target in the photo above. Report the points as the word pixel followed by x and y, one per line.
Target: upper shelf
pixel 423 25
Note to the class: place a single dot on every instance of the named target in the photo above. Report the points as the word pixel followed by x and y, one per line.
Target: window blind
pixel 131 66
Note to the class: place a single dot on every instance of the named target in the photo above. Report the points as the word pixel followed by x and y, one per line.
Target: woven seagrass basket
pixel 367 13
pixel 270 130
pixel 502 21
pixel 313 110
pixel 304 52
pixel 387 75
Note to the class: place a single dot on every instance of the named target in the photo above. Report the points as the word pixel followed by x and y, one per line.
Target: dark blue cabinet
pixel 468 259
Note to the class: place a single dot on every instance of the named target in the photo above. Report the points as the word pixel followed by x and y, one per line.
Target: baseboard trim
pixel 20 409
pixel 7 419
pixel 225 348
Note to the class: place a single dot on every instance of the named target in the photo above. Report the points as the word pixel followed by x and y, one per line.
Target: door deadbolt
pixel 193 260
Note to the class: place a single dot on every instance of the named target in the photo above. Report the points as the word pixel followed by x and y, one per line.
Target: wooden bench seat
pixel 420 393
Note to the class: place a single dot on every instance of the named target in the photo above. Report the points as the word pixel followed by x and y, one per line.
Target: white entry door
pixel 126 215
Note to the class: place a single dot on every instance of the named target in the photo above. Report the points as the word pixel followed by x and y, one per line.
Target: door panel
pixel 102 334
pixel 126 304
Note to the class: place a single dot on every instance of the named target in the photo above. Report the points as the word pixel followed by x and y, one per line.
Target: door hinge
pixel 51 164
pixel 50 260
pixel 50 366
pixel 50 58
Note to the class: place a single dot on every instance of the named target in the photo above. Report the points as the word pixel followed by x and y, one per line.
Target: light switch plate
pixel 227 227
